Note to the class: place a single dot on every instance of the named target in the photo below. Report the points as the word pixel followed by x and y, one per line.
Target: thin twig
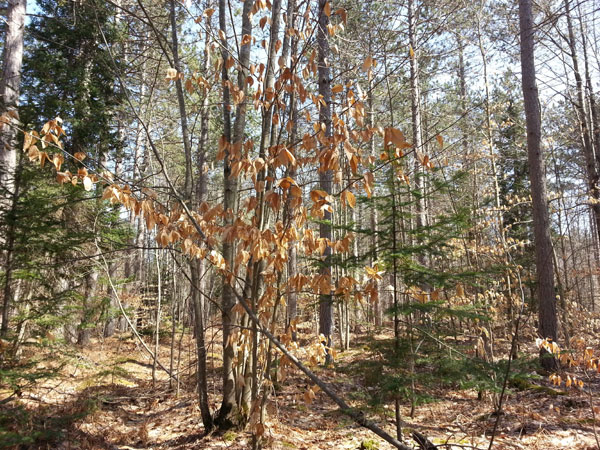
pixel 513 345
pixel 124 313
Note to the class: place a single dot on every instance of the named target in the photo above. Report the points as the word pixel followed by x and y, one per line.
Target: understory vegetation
pixel 299 224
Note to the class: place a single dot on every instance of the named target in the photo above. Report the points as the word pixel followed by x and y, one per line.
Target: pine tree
pixel 67 74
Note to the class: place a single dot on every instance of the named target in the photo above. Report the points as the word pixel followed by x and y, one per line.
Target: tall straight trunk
pixel 492 155
pixel 584 122
pixel 175 306
pixel 395 295
pixel 593 243
pixel 229 200
pixel 133 264
pixel 197 272
pixel 290 49
pixel 591 96
pixel 488 130
pixel 417 131
pixel 199 269
pixel 250 388
pixel 462 92
pixel 541 220
pixel 397 220
pixel 140 165
pixel 82 109
pixel 595 123
pixel 10 84
pixel 120 117
pixel 194 195
pixel 562 287
pixel 85 332
pixel 462 117
pixel 378 306
pixel 9 255
pixel 229 408
pixel 325 176
pixel 134 267
pixel 157 317
pixel 187 146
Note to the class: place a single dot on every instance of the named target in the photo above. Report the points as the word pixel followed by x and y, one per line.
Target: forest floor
pixel 103 397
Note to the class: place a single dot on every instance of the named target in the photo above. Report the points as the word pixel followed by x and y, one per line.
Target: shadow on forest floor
pixel 104 399
pixel 101 399
pixel 79 422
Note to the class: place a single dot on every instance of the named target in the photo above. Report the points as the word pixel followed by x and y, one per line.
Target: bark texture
pixel 541 220
pixel 415 100
pixel 181 103
pixel 228 413
pixel 325 175
pixel 10 84
pixel 584 122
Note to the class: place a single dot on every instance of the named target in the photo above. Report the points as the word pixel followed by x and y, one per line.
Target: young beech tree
pixel 304 121
pixel 246 238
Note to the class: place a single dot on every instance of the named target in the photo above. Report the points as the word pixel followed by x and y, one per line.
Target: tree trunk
pixel 194 194
pixel 541 220
pixel 584 121
pixel 325 176
pixel 85 330
pixel 187 147
pixel 197 267
pixel 228 411
pixel 157 317
pixel 10 84
pixel 378 306
pixel 595 125
pixel 197 274
pixel 9 256
pixel 290 49
pixel 415 99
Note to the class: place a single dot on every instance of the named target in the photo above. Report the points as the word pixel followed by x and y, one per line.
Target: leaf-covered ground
pixel 103 397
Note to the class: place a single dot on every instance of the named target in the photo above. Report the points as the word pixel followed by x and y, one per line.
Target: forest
pixel 300 224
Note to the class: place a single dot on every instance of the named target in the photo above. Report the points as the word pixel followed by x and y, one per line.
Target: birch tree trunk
pixel 10 84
